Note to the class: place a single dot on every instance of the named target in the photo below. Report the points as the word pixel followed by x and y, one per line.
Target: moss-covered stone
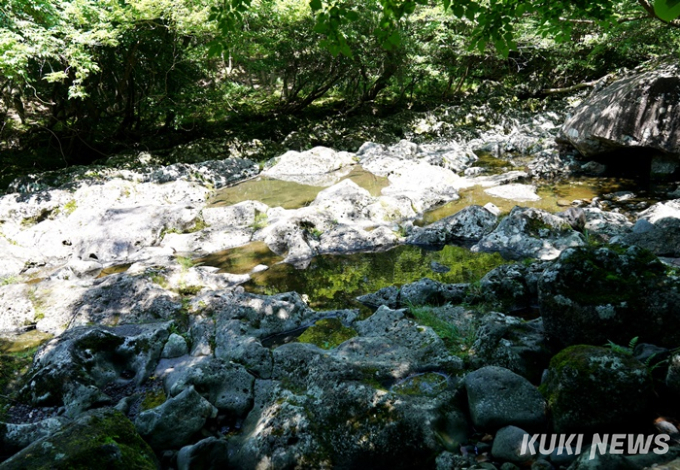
pixel 596 389
pixel 102 439
pixel 327 333
pixel 152 399
pixel 429 384
pixel 592 295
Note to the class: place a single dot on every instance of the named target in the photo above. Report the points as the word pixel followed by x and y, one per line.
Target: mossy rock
pixel 102 439
pixel 153 398
pixel 327 334
pixel 596 389
pixel 592 295
pixel 429 384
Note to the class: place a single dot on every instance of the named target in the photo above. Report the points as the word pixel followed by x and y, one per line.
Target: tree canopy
pixel 82 78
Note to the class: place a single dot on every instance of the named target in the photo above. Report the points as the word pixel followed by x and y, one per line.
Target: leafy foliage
pixel 80 79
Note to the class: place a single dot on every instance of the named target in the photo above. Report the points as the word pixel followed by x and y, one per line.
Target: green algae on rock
pixel 327 333
pixel 592 295
pixel 596 389
pixel 429 384
pixel 100 439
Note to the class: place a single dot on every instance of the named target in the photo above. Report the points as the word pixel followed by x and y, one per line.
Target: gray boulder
pixel 72 369
pixel 14 437
pixel 310 167
pixel 422 292
pixel 98 439
pixel 498 397
pixel 512 343
pixel 387 296
pixel 605 225
pixel 208 453
pixel 592 295
pixel 595 389
pixel 507 445
pixel 336 422
pixel 171 425
pixel 530 233
pixel 468 225
pixel 636 111
pixel 122 298
pixel 16 307
pixel 429 292
pixel 229 387
pixel 657 229
pixel 176 346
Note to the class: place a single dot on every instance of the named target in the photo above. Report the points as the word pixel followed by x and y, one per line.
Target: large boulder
pixel 499 397
pixel 14 437
pixel 657 229
pixel 364 403
pixel 73 369
pixel 530 233
pixel 592 295
pixel 99 439
pixel 312 167
pixel 229 387
pixel 208 453
pixel 172 424
pixel 468 225
pixel 507 445
pixel 596 389
pixel 510 342
pixel 636 111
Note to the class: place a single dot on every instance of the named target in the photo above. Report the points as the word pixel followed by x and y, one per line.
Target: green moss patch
pixel 448 332
pixel 103 439
pixel 430 384
pixel 153 398
pixel 327 333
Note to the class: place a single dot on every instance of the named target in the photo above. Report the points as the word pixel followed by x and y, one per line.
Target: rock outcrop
pixel 636 111
pixel 595 295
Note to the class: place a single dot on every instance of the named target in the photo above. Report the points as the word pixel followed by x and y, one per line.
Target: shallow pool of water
pixel 289 195
pixel 26 341
pixel 333 281
pixel 555 197
pixel 241 260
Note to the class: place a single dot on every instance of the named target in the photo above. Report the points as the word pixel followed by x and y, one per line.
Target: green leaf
pixel 315 5
pixel 321 27
pixel 215 49
pixel 667 10
pixel 55 77
pixel 394 38
pixel 351 15
pixel 502 47
pixel 471 11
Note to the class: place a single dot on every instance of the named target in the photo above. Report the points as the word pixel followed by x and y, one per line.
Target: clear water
pixel 333 281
